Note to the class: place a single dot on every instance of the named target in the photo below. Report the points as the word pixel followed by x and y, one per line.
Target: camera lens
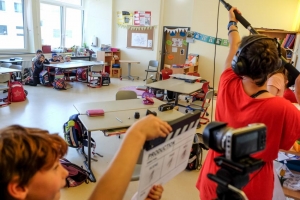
pixel 214 135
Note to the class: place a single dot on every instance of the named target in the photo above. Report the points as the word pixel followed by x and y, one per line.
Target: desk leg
pixel 88 161
pixel 129 73
pixel 176 100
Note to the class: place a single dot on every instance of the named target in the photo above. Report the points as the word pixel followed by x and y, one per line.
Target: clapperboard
pixel 164 158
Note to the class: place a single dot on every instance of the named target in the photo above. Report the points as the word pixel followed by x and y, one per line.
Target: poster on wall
pixel 125 18
pixel 139 40
pixel 142 18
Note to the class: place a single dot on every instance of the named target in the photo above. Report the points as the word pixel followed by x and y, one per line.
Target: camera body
pixel 235 144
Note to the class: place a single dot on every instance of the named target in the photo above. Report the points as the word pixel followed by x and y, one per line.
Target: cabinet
pixel 281 35
pixel 109 58
pixel 287 192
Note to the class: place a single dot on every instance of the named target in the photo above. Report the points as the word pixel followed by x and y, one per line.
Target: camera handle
pixel 233 176
pixel 226 191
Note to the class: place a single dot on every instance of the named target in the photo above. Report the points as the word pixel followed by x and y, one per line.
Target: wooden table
pixel 4 70
pixel 76 64
pixel 185 77
pixel 113 106
pixel 129 76
pixel 110 121
pixel 177 86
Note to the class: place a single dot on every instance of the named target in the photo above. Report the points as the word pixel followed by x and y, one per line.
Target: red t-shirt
pixel 290 95
pixel 237 109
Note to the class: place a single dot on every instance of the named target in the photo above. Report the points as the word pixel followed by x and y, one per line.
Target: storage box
pixel 46 48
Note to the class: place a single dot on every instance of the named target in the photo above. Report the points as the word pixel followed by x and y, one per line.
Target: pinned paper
pixel 177 42
pixel 174 49
pixel 149 43
pixel 181 51
pixel 182 34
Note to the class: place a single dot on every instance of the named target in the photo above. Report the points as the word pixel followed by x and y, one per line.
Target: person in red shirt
pixel 288 93
pixel 243 99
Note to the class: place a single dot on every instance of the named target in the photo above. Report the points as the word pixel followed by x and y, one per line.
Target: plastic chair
pixel 202 106
pixel 95 73
pixel 17 76
pixel 126 94
pixel 152 67
pixel 165 73
pixel 200 94
pixel 7 65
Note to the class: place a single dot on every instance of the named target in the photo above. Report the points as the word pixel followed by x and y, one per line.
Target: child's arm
pixel 122 165
pixel 155 192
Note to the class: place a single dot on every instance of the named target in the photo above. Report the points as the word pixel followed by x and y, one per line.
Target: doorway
pixel 174 49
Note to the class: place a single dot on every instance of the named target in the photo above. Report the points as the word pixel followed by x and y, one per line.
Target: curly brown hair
pixel 24 152
pixel 261 58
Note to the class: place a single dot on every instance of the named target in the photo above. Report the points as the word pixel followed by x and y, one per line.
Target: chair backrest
pixel 165 73
pixel 126 94
pixel 4 78
pixel 7 65
pixel 149 80
pixel 205 87
pixel 208 96
pixel 153 63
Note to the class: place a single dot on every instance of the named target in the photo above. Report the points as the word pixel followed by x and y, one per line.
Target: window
pixel 12 25
pixel 74 2
pixel 18 7
pixel 61 26
pixel 2 5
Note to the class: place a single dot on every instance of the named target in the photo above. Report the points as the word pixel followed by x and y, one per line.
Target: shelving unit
pixel 277 33
pixel 109 58
pixel 287 192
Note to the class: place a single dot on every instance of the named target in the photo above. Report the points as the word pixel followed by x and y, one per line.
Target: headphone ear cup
pixel 279 63
pixel 239 65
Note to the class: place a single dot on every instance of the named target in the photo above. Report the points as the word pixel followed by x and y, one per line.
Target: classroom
pixel 97 25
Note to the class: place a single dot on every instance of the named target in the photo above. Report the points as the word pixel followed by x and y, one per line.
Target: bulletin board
pixel 140 39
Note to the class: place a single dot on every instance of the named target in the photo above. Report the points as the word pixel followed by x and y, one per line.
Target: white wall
pixel 277 14
pixel 98 22
pixel 200 15
pixel 120 34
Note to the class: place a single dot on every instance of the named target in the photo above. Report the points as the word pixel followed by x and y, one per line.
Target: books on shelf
pixel 288 41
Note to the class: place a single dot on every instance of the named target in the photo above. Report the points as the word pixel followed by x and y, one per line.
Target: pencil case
pixel 95 112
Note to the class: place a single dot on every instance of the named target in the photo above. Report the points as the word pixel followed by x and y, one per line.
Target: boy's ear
pixel 15 190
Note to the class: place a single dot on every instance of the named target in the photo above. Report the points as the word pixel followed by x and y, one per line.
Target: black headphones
pixel 239 64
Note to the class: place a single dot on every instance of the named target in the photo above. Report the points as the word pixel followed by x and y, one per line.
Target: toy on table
pixel 148 101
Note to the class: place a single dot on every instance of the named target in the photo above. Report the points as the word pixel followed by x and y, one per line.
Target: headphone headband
pixel 239 64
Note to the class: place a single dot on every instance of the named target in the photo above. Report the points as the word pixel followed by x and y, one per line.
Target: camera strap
pixel 258 93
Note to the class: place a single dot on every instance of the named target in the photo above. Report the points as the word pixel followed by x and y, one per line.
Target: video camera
pixel 236 164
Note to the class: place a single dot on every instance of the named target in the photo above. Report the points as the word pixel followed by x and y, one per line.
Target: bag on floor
pixel 77 175
pixel 105 78
pixel 81 74
pixel 44 77
pixel 74 134
pixel 27 73
pixel 17 92
pixel 59 84
pixel 195 158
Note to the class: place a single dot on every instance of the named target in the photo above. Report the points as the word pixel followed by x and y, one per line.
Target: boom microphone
pixel 289 67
